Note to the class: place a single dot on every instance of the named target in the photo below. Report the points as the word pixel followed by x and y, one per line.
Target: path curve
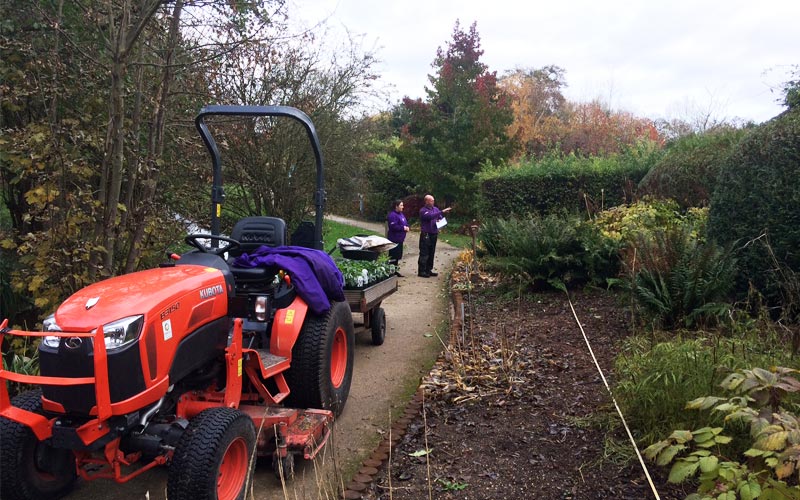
pixel 384 379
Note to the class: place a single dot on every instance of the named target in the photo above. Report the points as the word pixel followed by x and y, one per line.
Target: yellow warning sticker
pixel 240 367
pixel 219 209
pixel 289 317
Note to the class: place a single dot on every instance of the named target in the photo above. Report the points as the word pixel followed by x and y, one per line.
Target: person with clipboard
pixel 431 220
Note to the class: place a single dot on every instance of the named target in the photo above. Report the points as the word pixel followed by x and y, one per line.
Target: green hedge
pixel 556 183
pixel 688 171
pixel 758 192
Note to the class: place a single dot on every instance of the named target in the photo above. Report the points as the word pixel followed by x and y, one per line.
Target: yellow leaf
pixel 785 469
pixel 774 442
pixel 8 244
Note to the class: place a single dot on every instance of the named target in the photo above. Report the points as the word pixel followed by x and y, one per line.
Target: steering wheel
pixel 192 239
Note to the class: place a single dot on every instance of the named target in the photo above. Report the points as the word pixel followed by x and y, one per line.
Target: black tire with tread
pixel 378 326
pixel 19 448
pixel 309 375
pixel 196 462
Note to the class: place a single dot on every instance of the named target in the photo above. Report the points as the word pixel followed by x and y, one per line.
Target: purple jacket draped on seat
pixel 313 272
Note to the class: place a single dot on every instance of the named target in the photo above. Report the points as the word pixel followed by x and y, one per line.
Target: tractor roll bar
pixel 217 191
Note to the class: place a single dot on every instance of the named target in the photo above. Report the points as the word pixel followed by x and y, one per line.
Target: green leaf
pixel 708 464
pixel 749 490
pixel 702 403
pixel 682 470
pixel 668 454
pixel 681 436
pixel 421 453
pixel 654 449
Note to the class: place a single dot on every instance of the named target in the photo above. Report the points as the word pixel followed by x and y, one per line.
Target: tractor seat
pixel 251 233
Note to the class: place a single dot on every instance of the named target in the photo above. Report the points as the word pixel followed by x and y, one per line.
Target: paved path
pixel 384 379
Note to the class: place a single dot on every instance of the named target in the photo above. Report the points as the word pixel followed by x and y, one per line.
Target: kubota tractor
pixel 199 365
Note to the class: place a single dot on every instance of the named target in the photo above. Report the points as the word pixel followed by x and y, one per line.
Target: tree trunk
pixel 156 143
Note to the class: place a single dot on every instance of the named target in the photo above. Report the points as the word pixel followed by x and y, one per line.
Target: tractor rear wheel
pixel 29 468
pixel 213 459
pixel 322 361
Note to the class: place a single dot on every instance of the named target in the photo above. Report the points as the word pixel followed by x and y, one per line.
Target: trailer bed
pixel 365 299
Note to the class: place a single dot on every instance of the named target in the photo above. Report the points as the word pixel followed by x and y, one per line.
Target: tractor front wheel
pixel 322 361
pixel 31 469
pixel 213 459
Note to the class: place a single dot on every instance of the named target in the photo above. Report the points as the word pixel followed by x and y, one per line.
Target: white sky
pixel 654 58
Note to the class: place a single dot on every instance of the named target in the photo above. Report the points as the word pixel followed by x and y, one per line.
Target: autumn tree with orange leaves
pixel 544 120
pixel 539 107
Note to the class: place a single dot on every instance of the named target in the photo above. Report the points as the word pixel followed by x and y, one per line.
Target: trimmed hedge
pixel 570 183
pixel 688 171
pixel 758 191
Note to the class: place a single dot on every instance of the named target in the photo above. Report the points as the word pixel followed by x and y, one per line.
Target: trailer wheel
pixel 378 326
pixel 30 469
pixel 283 467
pixel 322 361
pixel 213 459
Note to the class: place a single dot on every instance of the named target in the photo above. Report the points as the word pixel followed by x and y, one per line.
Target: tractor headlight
pixel 122 332
pixel 49 325
pixel 117 334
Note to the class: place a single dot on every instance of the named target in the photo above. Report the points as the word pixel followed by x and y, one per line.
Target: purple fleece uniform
pixel 313 272
pixel 428 218
pixel 397 223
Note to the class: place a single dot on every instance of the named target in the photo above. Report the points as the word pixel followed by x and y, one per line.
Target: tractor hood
pixel 144 292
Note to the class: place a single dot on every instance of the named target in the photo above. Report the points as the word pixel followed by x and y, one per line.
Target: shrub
pixel 564 182
pixel 554 249
pixel 676 280
pixel 767 466
pixel 655 379
pixel 688 170
pixel 626 222
pixel 758 193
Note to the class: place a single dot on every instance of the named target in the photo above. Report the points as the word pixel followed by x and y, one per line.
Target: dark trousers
pixel 427 249
pixel 396 253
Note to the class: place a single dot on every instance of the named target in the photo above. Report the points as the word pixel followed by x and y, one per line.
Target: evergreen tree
pixel 460 126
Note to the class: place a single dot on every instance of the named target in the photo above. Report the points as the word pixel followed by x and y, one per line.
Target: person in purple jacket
pixel 429 214
pixel 396 233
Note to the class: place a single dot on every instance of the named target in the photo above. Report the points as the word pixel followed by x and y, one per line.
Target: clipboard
pixel 441 223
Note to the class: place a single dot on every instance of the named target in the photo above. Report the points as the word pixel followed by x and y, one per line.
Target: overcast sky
pixel 654 58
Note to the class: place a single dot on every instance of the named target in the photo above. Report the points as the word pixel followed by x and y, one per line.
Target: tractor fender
pixel 286 327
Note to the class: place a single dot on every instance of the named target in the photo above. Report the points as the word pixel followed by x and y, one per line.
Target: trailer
pixel 367 301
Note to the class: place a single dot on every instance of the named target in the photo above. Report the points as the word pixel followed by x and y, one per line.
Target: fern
pixel 677 280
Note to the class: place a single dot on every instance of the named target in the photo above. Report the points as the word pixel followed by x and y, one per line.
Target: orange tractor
pixel 199 365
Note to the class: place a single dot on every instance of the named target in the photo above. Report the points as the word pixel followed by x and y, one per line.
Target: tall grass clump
pixel 656 379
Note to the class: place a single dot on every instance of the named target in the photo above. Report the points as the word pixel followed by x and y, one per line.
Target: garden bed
pixel 517 409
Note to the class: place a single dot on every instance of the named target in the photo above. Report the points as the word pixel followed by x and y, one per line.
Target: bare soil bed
pixel 515 408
